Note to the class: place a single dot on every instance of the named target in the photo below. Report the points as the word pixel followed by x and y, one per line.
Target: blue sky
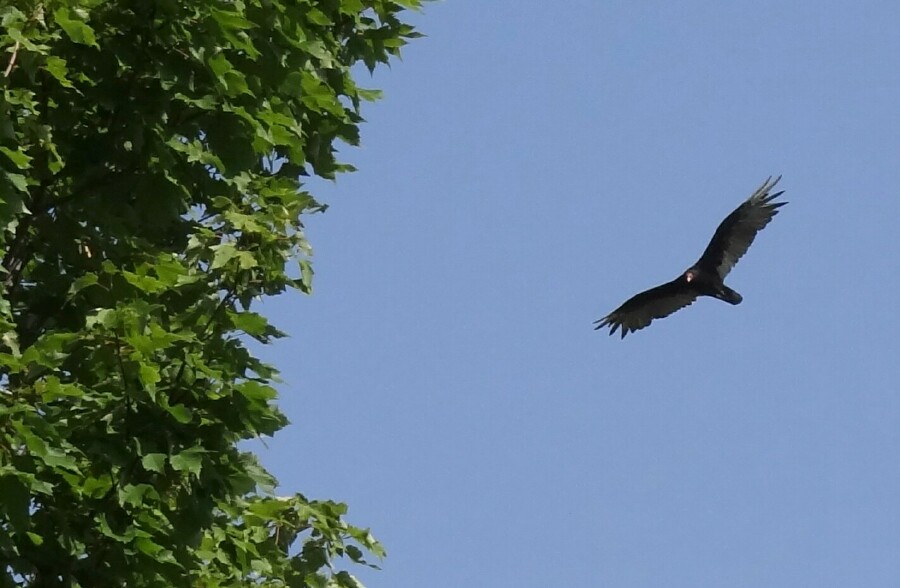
pixel 533 165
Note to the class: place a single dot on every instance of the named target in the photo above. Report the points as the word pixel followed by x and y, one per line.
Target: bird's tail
pixel 730 296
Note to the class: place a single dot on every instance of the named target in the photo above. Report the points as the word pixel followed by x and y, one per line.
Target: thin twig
pixel 12 60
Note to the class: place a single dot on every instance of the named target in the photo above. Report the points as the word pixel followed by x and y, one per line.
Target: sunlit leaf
pixel 190 460
pixel 154 462
pixel 75 28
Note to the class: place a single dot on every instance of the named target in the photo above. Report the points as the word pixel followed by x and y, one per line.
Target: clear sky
pixel 532 165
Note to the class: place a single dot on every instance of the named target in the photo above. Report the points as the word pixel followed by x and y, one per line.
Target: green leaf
pixel 96 487
pixel 261 477
pixel 134 494
pixel 35 444
pixel 318 17
pixel 189 460
pixel 76 29
pixel 154 462
pixel 180 412
pixel 306 276
pixel 19 159
pixel 246 260
pixel 351 7
pixel 249 322
pixel 223 254
pixel 256 392
pixel 231 20
pixel 10 340
pixel 149 375
pixel 57 67
pixel 107 530
pixel 83 282
pixel 270 508
pixel 59 459
pixel 155 550
pixel 17 180
pixel 146 283
pixel 35 538
pixel 52 389
pixel 105 317
pixel 232 26
pixel 370 95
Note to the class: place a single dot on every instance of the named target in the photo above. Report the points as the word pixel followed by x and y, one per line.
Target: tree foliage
pixel 152 155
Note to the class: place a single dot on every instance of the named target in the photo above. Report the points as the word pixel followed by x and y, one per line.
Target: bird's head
pixel 690 275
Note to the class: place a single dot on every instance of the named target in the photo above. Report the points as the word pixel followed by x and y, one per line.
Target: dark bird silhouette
pixel 707 276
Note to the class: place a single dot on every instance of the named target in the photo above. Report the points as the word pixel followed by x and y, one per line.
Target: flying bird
pixel 707 276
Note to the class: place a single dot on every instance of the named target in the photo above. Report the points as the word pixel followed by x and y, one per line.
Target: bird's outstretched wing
pixel 737 231
pixel 639 311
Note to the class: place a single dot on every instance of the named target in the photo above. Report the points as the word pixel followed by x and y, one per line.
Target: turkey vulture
pixel 707 276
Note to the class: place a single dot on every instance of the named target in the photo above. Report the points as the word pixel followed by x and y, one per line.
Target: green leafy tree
pixel 151 163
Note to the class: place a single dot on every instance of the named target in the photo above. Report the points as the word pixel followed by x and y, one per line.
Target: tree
pixel 152 156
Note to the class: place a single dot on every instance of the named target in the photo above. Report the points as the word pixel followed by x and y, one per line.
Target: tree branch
pixel 12 61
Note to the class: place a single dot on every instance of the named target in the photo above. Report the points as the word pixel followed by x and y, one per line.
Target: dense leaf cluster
pixel 151 163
